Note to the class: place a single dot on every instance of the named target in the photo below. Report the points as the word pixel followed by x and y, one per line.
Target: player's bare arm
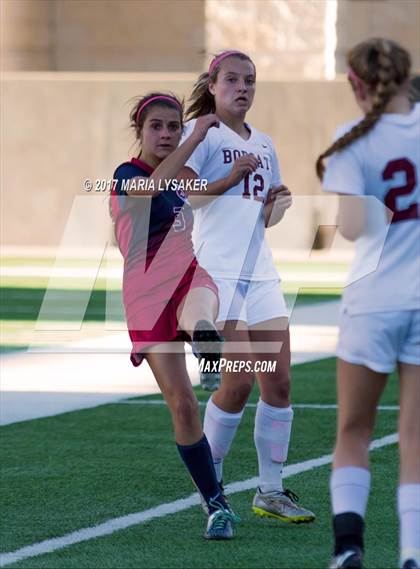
pixel 351 217
pixel 278 200
pixel 241 167
pixel 169 168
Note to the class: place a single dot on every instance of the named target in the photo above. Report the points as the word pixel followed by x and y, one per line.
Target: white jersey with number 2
pixel 229 231
pixel 385 163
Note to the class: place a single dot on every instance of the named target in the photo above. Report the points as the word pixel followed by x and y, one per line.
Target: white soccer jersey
pixel 229 231
pixel 385 163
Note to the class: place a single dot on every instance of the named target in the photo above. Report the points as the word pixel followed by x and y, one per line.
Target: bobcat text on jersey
pixel 230 156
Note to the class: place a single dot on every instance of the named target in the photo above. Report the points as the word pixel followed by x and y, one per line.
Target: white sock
pixel 220 429
pixel 273 426
pixel 349 487
pixel 409 514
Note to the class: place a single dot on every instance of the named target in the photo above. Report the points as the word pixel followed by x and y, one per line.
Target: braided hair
pixel 384 66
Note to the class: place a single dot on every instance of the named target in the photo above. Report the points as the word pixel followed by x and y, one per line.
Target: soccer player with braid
pixel 377 156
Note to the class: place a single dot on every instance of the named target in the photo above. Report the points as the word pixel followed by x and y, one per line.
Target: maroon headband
pixel 222 56
pixel 157 98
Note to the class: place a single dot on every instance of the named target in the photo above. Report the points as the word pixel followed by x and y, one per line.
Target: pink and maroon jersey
pixel 154 237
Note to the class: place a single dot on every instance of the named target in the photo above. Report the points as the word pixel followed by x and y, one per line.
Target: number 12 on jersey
pixel 256 182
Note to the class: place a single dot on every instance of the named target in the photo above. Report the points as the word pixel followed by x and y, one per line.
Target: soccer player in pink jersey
pixel 168 297
pixel 377 156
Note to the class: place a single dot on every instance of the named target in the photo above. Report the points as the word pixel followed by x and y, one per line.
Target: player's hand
pixel 241 167
pixel 280 196
pixel 202 125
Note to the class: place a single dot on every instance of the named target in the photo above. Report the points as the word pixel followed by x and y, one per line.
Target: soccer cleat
pixel 220 523
pixel 349 559
pixel 207 346
pixel 410 564
pixel 282 506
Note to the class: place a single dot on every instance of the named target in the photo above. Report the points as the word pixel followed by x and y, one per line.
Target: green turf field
pixel 21 297
pixel 79 469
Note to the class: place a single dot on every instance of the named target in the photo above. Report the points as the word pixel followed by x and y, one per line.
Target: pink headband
pixel 222 56
pixel 355 79
pixel 157 98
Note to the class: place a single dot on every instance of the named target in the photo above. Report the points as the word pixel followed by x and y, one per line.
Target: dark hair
pixel 137 118
pixel 168 100
pixel 384 66
pixel 201 100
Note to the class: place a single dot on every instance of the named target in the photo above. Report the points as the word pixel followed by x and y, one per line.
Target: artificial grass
pixel 75 470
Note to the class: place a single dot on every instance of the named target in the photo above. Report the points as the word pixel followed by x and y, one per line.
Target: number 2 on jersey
pixel 401 165
pixel 257 187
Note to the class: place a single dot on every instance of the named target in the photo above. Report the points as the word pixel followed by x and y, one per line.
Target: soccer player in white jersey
pixel 378 156
pixel 229 241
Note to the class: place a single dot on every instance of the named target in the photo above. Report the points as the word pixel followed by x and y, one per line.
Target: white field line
pixel 123 522
pixel 250 405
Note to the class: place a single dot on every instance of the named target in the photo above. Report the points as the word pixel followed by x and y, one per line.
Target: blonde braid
pixel 384 78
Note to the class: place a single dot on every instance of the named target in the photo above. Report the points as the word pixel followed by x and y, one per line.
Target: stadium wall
pixel 102 35
pixel 59 129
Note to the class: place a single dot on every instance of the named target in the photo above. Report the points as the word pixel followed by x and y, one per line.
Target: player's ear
pixel 212 89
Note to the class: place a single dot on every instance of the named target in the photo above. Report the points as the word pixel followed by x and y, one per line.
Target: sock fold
pixel 349 487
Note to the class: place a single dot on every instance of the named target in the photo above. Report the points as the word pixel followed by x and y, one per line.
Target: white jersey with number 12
pixel 229 231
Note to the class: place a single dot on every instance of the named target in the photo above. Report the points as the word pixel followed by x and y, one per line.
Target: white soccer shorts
pixel 379 340
pixel 250 301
